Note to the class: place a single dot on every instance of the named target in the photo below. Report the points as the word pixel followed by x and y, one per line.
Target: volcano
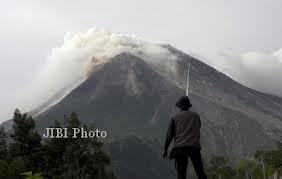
pixel 129 96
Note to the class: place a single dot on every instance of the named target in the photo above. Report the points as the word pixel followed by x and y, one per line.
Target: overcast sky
pixel 239 37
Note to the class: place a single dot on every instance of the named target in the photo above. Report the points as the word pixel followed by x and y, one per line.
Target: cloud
pixel 257 70
pixel 68 65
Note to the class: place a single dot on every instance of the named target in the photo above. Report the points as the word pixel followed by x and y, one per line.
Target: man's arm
pixel 199 120
pixel 169 135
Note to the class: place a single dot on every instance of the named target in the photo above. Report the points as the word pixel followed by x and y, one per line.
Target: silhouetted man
pixel 184 128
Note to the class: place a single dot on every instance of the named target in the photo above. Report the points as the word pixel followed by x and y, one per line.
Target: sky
pixel 241 38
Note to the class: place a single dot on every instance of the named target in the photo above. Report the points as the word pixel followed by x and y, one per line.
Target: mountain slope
pixel 130 97
pixel 133 158
pixel 120 98
pixel 219 88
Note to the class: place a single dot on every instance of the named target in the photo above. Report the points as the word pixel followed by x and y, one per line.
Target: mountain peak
pixel 125 54
pixel 132 73
pixel 130 95
pixel 127 58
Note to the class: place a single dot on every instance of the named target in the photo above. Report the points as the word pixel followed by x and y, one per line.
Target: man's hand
pixel 165 154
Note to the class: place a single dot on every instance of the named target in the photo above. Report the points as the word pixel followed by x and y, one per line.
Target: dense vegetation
pixel 220 167
pixel 28 156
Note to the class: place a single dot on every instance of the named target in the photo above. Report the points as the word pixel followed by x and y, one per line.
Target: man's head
pixel 183 103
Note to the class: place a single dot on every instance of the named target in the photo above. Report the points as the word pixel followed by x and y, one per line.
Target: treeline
pixel 26 155
pixel 263 164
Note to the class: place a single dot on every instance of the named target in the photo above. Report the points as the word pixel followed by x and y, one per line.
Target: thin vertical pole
pixel 263 167
pixel 188 78
pixel 247 176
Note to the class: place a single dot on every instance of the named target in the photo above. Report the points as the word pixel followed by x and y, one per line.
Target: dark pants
pixel 182 162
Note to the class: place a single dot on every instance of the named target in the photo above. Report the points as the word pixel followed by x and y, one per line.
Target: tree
pixel 74 151
pixel 30 175
pixel 26 144
pixel 246 168
pixel 53 152
pixel 3 144
pixel 272 159
pixel 75 157
pixel 219 168
pixel 6 170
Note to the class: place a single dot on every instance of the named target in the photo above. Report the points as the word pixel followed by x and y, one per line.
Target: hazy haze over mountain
pixel 240 38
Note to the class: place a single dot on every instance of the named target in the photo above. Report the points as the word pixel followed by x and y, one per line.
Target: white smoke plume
pixel 260 71
pixel 68 65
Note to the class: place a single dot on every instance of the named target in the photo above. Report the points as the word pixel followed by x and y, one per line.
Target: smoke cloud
pixel 260 71
pixel 67 66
